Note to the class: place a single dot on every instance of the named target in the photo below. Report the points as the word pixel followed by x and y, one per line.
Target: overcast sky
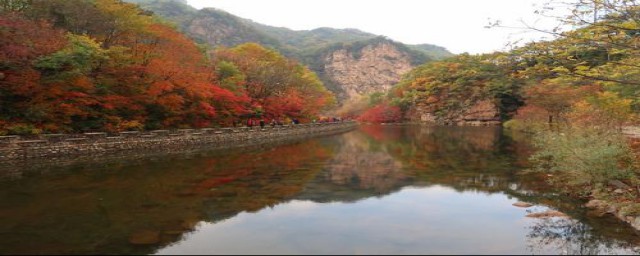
pixel 458 25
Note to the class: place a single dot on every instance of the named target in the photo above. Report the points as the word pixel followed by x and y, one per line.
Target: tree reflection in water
pixel 572 237
pixel 95 207
pixel 483 159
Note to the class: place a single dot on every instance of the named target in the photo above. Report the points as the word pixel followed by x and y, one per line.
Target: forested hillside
pixel 596 61
pixel 315 48
pixel 105 65
pixel 229 30
pixel 575 96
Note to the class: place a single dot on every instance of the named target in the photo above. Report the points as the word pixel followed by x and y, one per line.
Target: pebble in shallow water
pixel 547 214
pixel 522 204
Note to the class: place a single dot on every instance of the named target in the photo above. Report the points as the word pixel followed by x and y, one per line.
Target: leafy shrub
pixel 583 158
pixel 382 113
pixel 630 209
pixel 130 126
pixel 22 129
pixel 514 124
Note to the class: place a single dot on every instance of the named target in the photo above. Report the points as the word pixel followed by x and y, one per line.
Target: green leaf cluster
pixel 81 55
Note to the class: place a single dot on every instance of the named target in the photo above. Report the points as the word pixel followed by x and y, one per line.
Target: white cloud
pixel 458 25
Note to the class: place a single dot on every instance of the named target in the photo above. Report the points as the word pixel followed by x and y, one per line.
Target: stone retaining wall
pixel 69 145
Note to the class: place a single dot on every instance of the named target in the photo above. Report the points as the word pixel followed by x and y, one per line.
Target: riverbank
pixel 620 198
pixel 590 166
pixel 53 146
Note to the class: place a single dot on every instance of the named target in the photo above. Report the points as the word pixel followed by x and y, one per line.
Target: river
pixel 394 189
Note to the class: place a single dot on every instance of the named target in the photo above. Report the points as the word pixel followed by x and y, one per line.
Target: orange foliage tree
pixel 382 113
pixel 106 65
pixel 126 71
pixel 278 87
pixel 22 41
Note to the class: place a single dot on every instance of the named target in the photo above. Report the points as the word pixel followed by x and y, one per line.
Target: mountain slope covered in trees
pixel 315 48
pixel 573 96
pixel 291 42
pixel 547 78
pixel 105 65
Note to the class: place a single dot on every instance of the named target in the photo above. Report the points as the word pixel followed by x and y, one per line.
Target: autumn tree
pixel 107 21
pixel 454 84
pixel 277 86
pixel 382 113
pixel 88 65
pixel 602 47
pixel 603 109
pixel 22 42
pixel 556 97
pixel 14 5
pixel 116 68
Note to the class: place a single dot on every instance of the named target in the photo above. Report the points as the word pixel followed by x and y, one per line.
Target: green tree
pixel 81 55
pixel 14 5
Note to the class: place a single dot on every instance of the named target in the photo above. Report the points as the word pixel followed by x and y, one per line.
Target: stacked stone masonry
pixel 69 145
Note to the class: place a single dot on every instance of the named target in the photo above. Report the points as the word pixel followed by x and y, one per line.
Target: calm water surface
pixel 376 190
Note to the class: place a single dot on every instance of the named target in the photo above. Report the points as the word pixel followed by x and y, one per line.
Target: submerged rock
pixel 596 204
pixel 595 213
pixel 635 223
pixel 522 204
pixel 547 214
pixel 601 207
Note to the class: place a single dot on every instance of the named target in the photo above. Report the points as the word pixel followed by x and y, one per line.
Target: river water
pixel 376 190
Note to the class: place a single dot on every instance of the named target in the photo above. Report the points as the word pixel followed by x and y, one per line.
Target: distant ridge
pixel 293 43
pixel 350 62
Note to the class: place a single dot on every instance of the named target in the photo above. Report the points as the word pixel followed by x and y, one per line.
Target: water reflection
pixel 569 236
pixel 357 170
pixel 97 209
pixel 382 189
pixel 432 220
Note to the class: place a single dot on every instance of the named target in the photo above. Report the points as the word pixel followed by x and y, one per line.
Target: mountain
pixel 433 51
pixel 350 62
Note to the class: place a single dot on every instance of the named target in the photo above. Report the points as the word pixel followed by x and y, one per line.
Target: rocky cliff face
pixel 483 112
pixel 350 62
pixel 217 28
pixel 373 68
pixel 352 69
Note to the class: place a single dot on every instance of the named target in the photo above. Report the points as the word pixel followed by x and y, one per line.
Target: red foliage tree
pixel 382 113
pixel 22 41
pixel 111 66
